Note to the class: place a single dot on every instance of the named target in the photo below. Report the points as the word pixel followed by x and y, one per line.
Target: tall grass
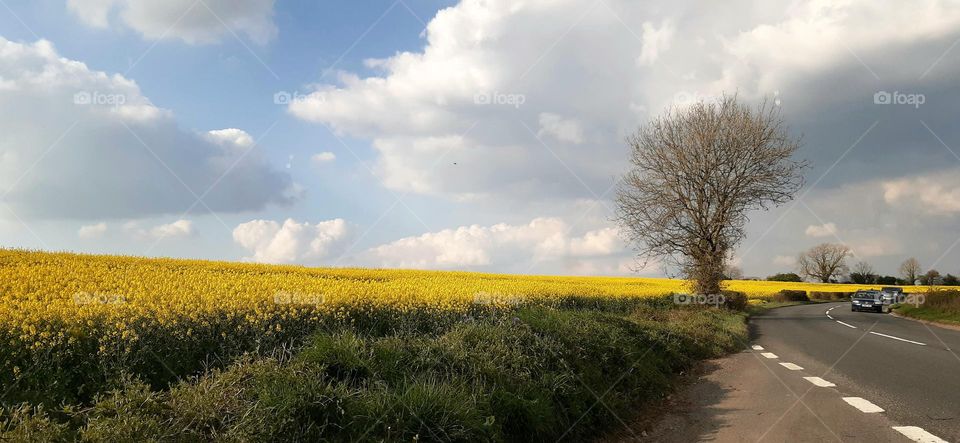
pixel 938 305
pixel 525 374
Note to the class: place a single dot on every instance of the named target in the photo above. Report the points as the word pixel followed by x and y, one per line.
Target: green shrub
pixel 830 296
pixel 787 277
pixel 734 300
pixel 790 295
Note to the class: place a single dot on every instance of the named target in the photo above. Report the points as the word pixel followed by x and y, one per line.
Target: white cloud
pixel 934 194
pixel 231 136
pixel 103 150
pixel 179 228
pixel 471 52
pixel 323 157
pixel 292 242
pixel 564 130
pixel 824 230
pixel 176 229
pixel 195 22
pixel 92 231
pixel 874 247
pixel 787 261
pixel 541 240
pixel 655 41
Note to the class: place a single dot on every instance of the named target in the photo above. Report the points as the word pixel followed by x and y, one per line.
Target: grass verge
pixel 939 306
pixel 523 374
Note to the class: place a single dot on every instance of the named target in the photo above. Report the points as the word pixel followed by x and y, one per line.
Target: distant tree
pixel 910 270
pixel 824 262
pixel 862 273
pixel 731 272
pixel 695 174
pixel 951 280
pixel 788 277
pixel 888 280
pixel 931 278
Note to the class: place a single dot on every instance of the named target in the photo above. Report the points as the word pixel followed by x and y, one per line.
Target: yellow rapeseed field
pixel 61 309
pixel 49 296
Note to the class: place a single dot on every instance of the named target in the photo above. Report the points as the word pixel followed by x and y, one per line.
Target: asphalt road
pixel 909 370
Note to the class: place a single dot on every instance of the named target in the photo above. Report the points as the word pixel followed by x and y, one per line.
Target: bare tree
pixel 931 278
pixel 732 272
pixel 910 270
pixel 696 173
pixel 824 261
pixel 862 273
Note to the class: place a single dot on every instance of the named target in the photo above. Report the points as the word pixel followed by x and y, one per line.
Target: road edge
pixel 950 326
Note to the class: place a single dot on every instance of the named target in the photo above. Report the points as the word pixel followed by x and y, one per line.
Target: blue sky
pixel 457 135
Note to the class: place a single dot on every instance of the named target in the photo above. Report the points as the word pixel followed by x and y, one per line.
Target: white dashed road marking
pixel 791 366
pixel 769 355
pixel 863 405
pixel 757 348
pixel 898 338
pixel 847 324
pixel 819 382
pixel 918 434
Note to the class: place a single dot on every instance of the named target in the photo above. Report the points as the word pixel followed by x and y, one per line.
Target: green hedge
pixel 531 374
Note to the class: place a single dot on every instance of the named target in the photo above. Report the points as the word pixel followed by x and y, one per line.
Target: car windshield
pixel 866 295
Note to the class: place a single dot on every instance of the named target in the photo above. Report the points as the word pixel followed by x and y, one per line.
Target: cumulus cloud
pixel 655 40
pixel 292 241
pixel 564 130
pixel 934 194
pixel 103 150
pixel 179 228
pixel 92 231
pixel 323 158
pixel 195 22
pixel 231 137
pixel 824 230
pixel 456 91
pixel 787 261
pixel 502 245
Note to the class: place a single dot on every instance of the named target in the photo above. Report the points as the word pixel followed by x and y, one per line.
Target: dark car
pixel 867 301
